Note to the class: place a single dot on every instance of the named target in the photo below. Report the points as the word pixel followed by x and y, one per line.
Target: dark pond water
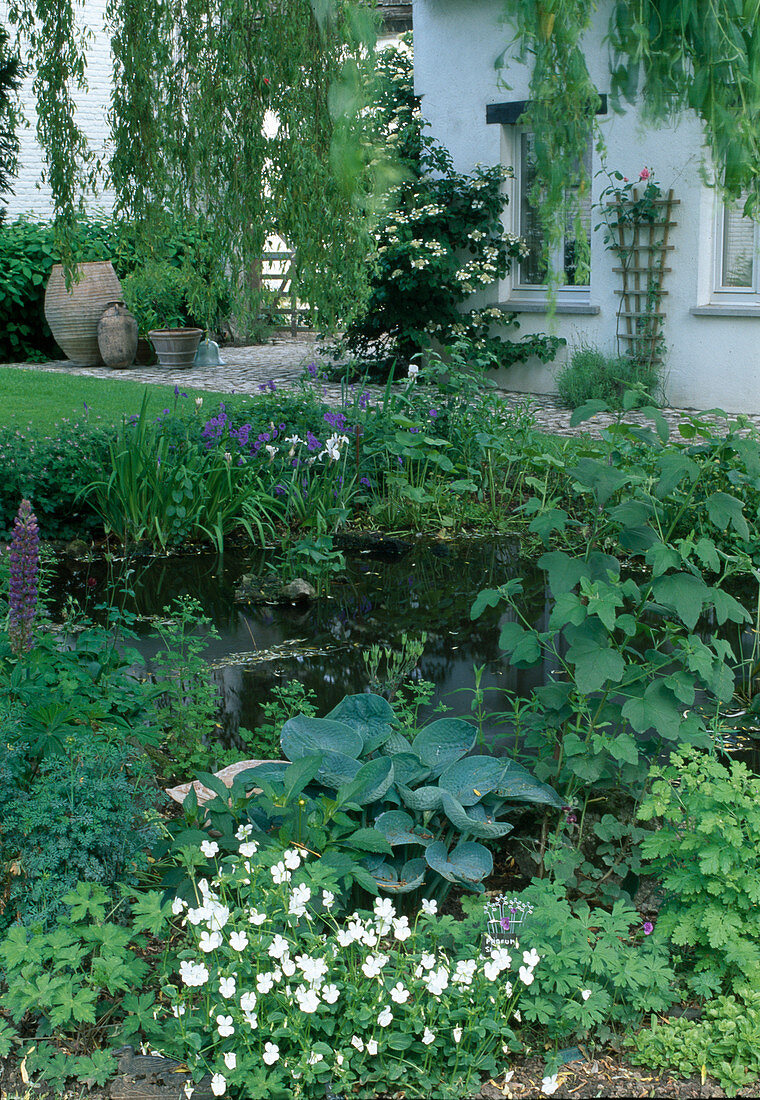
pixel 428 588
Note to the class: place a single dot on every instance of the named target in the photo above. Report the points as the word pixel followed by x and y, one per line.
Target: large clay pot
pixel 73 315
pixel 117 336
pixel 176 347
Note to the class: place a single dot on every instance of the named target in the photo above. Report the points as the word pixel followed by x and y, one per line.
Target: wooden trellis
pixel 642 245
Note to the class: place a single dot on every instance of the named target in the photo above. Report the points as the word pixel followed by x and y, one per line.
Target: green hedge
pixel 28 252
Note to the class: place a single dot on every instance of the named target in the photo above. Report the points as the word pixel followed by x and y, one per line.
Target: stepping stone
pixel 151 1077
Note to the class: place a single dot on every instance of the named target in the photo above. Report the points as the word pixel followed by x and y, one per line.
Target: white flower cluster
pixel 255 973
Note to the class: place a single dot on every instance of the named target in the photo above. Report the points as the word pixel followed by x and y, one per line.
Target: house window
pixel 531 273
pixel 736 255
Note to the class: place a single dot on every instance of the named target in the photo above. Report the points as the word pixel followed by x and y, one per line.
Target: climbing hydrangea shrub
pixel 280 991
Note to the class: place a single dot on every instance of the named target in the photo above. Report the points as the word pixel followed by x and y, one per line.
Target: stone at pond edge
pixel 298 591
pixel 151 1077
pixel 227 775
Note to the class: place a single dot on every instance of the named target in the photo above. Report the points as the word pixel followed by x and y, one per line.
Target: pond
pixel 416 587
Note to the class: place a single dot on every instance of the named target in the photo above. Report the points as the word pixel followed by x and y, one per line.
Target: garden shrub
pixel 442 239
pixel 706 856
pixel 591 375
pixel 28 251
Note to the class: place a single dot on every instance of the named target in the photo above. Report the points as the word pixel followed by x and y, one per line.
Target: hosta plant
pixel 424 805
pixel 273 997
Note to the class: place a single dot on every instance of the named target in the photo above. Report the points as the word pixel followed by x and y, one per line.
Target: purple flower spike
pixel 24 556
pixel 312 370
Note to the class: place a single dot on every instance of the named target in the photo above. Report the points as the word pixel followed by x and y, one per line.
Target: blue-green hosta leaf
pixel 371 781
pixel 398 828
pixel 396 743
pixel 302 736
pixel 441 743
pixel 472 824
pixel 395 880
pixel 337 769
pixel 469 779
pixel 370 715
pixel 409 769
pixel 518 785
pixel 271 771
pixel 423 799
pixel 469 863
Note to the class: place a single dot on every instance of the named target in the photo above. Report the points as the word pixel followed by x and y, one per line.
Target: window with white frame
pixel 736 254
pixel 530 275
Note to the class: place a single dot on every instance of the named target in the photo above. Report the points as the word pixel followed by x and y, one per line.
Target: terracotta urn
pixel 117 336
pixel 73 315
pixel 176 347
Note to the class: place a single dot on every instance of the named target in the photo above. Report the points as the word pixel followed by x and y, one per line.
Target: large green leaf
pixel 726 511
pixel 395 880
pixel 441 743
pixel 474 824
pixel 409 769
pixel 563 571
pixel 469 863
pixel 657 708
pixel 603 480
pixel 469 779
pixel 371 781
pixel 683 593
pixel 518 785
pixel 398 828
pixel 396 743
pixel 595 661
pixel 370 715
pixel 422 800
pixel 337 769
pixel 302 736
pixel 271 771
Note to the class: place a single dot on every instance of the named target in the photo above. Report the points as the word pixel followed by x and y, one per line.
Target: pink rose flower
pixel 644 174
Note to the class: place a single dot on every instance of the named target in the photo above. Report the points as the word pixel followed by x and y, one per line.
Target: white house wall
pixel 31 197
pixel 712 360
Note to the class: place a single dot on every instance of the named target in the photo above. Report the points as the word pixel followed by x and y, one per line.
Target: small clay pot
pixel 117 336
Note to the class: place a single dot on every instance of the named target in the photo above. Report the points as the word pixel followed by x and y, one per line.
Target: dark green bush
pixel 592 375
pixel 28 251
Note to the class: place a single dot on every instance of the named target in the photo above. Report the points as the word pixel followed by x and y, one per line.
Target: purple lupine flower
pixel 363 400
pixel 24 557
pixel 176 391
pixel 313 370
pixel 335 420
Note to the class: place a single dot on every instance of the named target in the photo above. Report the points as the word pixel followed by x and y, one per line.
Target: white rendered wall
pixel 711 361
pixel 30 196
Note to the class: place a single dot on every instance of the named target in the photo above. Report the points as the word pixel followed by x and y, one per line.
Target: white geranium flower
pixel 427 962
pixel 195 916
pixel 298 899
pixel 526 975
pixel 218 1085
pixel 384 909
pixel 227 987
pixel 437 981
pixel 401 929
pixel 357 1042
pixel 413 371
pixel 225 1026
pixel 314 1058
pixel 255 917
pixel 264 983
pixel 328 899
pixel 178 1010
pixel 385 1016
pixel 464 972
pixel 230 1059
pixel 280 874
pixel 252 1020
pixel 457 1033
pixel 292 859
pixel 501 957
pixel 271 1053
pixel 209 848
pixel 330 994
pixel 372 1047
pixel 209 941
pixel 248 1001
pixel 193 973
pixel 400 994
pixel 178 905
pixel 549 1085
pixel 247 849
pixel 585 993
pixel 429 907
pixel 345 937
pixel 243 832
pixel 428 1037
pixel 531 958
pixel 373 964
pixel 370 938
pixel 279 947
pixel 288 967
pixel 308 999
pixel 238 941
pixel 217 915
pixel 491 970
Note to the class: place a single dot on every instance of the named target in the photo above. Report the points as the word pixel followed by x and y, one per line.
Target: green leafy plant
pixel 724 1043
pixel 593 376
pixel 705 855
pixel 157 297
pixel 423 793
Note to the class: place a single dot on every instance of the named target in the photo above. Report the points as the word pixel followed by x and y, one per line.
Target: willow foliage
pixel 665 55
pixel 248 116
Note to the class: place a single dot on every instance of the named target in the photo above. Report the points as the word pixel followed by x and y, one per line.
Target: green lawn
pixel 40 399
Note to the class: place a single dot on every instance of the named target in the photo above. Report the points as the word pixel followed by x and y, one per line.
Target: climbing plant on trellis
pixel 637 229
